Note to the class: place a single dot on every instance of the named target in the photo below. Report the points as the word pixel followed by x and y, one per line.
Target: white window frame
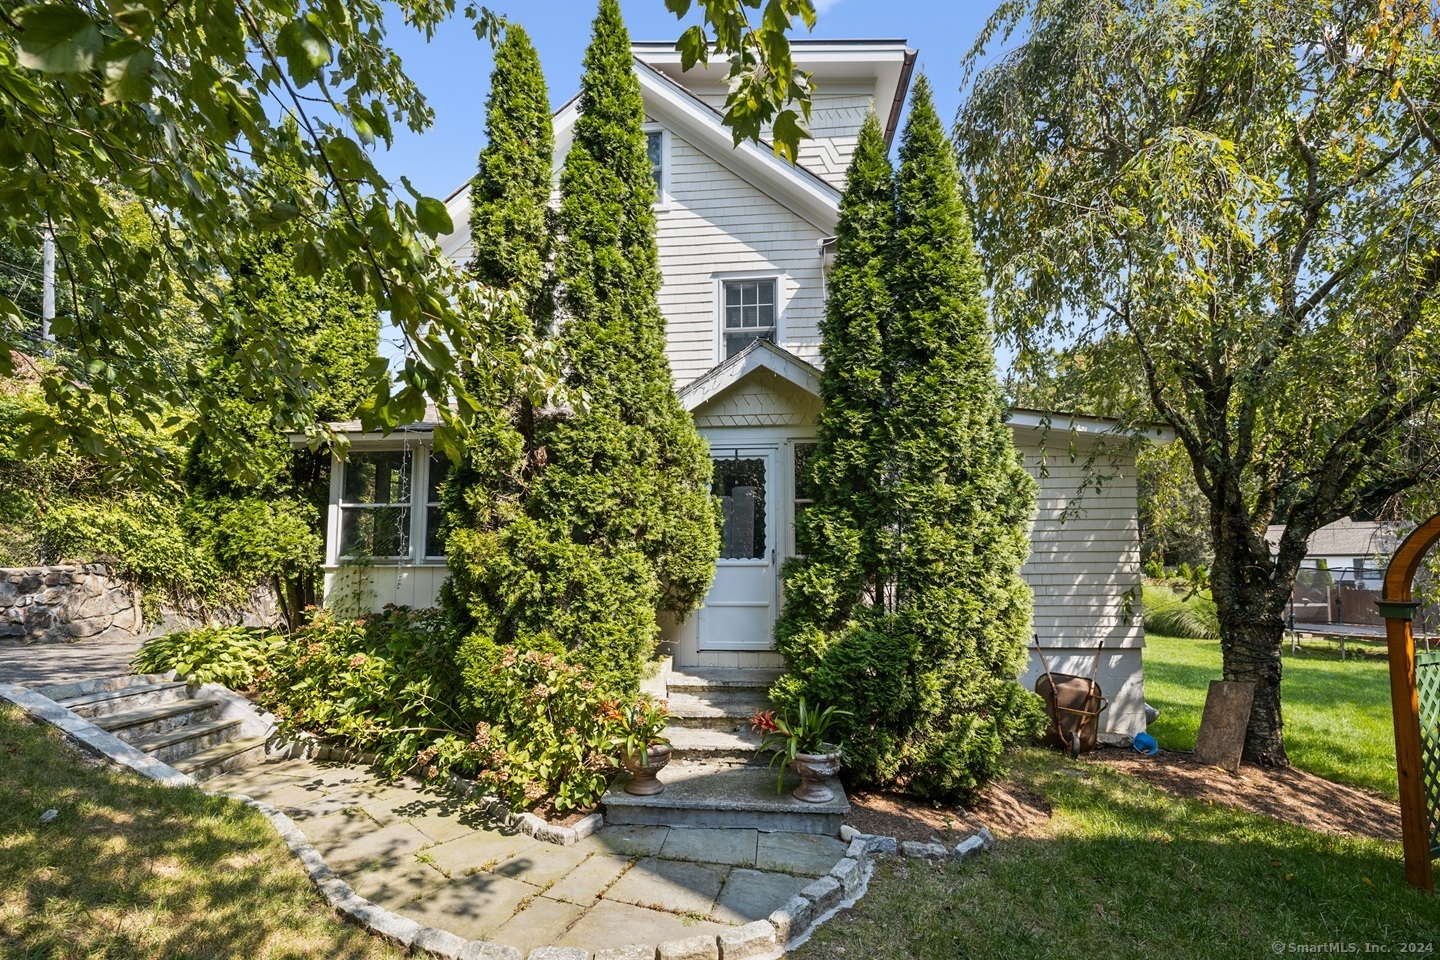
pixel 663 198
pixel 420 452
pixel 781 301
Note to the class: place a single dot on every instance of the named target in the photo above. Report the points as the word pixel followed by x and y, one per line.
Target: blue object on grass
pixel 1144 743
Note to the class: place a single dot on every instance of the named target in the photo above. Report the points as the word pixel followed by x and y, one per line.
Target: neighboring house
pixel 743 240
pixel 1343 570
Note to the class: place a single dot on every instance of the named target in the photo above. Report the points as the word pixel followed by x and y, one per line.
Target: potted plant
pixel 799 742
pixel 636 728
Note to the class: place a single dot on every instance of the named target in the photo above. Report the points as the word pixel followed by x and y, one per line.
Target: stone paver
pixel 750 895
pixel 471 907
pixel 798 853
pixel 540 924
pixel 394 883
pixel 346 855
pixel 542 864
pixel 585 883
pixel 478 851
pixel 712 846
pixel 611 924
pixel 677 886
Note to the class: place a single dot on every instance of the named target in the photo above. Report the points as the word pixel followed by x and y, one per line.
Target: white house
pixel 743 240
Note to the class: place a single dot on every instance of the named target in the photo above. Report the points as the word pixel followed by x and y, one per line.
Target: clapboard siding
pixel 1084 569
pixel 356 589
pixel 717 225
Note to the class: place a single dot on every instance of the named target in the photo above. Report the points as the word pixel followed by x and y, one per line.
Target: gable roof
pixel 669 104
pixel 759 355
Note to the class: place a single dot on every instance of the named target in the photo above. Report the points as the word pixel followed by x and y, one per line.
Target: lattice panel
pixel 1427 682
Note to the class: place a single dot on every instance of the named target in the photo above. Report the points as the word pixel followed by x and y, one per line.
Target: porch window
pixel 740 485
pixel 439 469
pixel 749 313
pixel 804 488
pixel 375 505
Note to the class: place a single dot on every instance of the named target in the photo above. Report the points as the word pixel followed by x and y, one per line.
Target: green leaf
pixel 788 131
pixel 434 219
pixel 348 158
pixel 309 262
pixel 129 69
pixel 304 48
pixel 56 39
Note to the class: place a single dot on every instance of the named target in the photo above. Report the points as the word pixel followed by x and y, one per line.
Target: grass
pixel 1337 713
pixel 1124 870
pixel 131 869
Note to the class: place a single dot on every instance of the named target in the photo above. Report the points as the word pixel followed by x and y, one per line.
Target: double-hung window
pixel 748 313
pixel 434 509
pixel 375 505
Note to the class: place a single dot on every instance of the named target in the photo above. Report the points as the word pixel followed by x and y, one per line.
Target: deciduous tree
pixel 1245 195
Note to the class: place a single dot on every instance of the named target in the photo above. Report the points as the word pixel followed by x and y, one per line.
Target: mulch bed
pixel 1007 809
pixel 1283 793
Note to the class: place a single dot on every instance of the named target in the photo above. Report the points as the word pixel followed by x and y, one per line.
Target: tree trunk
pixel 1250 604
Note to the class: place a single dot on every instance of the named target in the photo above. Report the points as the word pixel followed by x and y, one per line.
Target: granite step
pixel 692 680
pixel 716 710
pixel 701 794
pixel 222 758
pixel 104 703
pixel 190 739
pixel 700 743
pixel 130 725
pixel 60 692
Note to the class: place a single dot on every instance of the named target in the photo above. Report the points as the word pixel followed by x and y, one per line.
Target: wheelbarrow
pixel 1074 705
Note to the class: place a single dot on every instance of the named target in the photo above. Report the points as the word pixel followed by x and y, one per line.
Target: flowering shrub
pixel 549 734
pixel 382 683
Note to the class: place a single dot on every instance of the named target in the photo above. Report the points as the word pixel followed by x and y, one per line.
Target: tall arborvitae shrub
pixel 927 659
pixel 610 521
pixel 510 233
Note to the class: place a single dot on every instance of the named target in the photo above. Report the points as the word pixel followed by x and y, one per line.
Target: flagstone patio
pixel 431 857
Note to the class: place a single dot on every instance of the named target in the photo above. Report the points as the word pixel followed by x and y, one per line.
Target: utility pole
pixel 47 304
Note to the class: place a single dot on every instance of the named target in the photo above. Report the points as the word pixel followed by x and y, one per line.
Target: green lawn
pixel 1124 870
pixel 1337 714
pixel 131 869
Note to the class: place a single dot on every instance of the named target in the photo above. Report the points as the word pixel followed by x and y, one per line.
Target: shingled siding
pixel 1084 569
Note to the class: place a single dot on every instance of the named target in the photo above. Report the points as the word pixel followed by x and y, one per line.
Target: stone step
pixel 700 743
pixel 716 710
pixel 60 692
pixel 190 739
pixel 106 703
pixel 222 758
pixel 733 679
pixel 719 795
pixel 131 725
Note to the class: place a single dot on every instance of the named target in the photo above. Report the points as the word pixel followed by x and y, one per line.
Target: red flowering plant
pixel 793 733
pixel 635 725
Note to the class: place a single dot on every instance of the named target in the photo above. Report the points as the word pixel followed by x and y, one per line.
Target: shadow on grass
pixel 129 868
pixel 1124 870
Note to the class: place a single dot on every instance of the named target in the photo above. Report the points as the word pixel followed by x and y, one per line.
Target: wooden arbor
pixel 1417 753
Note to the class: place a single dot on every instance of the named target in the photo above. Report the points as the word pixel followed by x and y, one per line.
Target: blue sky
pixel 453 69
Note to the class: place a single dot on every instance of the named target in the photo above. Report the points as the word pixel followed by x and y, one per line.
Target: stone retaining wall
pixel 70 602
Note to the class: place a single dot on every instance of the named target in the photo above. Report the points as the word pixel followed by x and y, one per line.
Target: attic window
pixel 655 150
pixel 749 313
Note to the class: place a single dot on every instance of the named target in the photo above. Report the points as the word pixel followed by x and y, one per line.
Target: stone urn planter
pixel 643 780
pixel 814 769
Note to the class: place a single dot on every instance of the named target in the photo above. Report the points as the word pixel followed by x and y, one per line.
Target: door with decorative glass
pixel 739 610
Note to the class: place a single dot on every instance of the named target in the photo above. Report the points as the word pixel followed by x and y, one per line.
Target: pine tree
pixel 927 659
pixel 610 522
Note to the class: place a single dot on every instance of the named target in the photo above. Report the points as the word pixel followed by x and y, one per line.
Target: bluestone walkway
pixel 429 856
pixel 40 664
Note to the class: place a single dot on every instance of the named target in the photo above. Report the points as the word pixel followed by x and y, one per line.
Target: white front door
pixel 739 610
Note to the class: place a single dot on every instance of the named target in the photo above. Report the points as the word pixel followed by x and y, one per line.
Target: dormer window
pixel 748 312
